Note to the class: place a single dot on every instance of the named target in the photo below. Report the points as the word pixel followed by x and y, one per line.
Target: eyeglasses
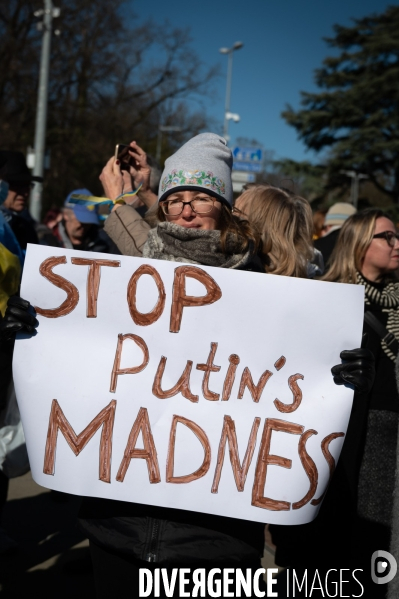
pixel 390 236
pixel 239 213
pixel 198 205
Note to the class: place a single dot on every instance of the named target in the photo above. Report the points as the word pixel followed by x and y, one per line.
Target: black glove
pixel 18 317
pixel 358 368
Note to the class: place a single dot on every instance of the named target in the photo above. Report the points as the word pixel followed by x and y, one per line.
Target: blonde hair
pixel 284 222
pixel 354 238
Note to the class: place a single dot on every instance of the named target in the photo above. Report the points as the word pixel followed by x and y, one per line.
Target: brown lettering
pixel 71 301
pixel 149 453
pixel 201 436
pixel 116 370
pixel 182 386
pixel 93 280
pixel 296 392
pixel 230 376
pixel 208 368
pixel 139 318
pixel 181 300
pixel 329 459
pixel 309 467
pixel 229 435
pixel 255 390
pixel 76 442
pixel 280 363
pixel 265 459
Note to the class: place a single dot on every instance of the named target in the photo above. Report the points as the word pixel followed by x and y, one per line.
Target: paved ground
pixel 53 561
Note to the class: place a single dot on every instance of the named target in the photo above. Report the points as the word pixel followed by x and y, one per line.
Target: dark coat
pixel 23 226
pixel 172 536
pixel 166 535
pixel 338 537
pixel 326 244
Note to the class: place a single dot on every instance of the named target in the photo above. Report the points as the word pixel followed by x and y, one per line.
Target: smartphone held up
pixel 122 154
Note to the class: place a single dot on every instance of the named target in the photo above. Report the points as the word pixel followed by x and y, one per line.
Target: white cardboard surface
pixel 258 317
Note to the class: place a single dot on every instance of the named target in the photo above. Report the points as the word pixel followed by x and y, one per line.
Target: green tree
pixel 356 115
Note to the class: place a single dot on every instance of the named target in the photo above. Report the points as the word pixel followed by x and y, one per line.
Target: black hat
pixel 13 168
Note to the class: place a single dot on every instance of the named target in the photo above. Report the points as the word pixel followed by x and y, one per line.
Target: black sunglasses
pixel 390 236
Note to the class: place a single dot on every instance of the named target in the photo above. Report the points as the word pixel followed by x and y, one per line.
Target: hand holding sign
pixel 165 370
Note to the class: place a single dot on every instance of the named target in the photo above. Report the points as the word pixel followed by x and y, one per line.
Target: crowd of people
pixel 193 218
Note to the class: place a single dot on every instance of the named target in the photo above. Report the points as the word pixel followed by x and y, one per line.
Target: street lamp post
pixel 48 13
pixel 355 178
pixel 229 52
pixel 163 129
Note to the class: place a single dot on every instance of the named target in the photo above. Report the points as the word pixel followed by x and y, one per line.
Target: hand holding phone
pixel 122 154
pixel 133 161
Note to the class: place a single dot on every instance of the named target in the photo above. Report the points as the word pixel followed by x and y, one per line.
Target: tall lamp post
pixel 227 113
pixel 49 12
pixel 355 178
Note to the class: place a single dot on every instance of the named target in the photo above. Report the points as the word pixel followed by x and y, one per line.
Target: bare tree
pixel 112 80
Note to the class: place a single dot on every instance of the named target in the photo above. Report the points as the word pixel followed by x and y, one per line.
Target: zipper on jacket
pixel 151 555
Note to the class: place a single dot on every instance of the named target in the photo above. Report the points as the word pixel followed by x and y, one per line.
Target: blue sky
pixel 282 46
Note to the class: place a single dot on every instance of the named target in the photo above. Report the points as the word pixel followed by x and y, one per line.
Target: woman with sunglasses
pixel 356 516
pixel 367 253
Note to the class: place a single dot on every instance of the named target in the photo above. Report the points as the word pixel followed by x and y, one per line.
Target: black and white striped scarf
pixel 387 298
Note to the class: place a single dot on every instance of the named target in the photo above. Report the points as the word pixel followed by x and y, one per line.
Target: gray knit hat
pixel 204 163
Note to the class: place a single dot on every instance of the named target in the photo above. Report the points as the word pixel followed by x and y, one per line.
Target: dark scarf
pixel 385 296
pixel 195 246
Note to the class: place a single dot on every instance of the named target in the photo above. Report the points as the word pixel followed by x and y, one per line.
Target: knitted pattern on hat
pixel 388 299
pixel 204 164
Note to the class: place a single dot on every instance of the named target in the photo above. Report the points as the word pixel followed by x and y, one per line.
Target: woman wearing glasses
pixel 355 518
pixel 366 253
pixel 196 226
pixel 189 198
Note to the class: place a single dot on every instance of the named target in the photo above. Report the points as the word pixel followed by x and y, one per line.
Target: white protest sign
pixel 185 386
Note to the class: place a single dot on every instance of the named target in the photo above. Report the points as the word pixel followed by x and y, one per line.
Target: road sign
pixel 243 177
pixel 251 167
pixel 248 154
